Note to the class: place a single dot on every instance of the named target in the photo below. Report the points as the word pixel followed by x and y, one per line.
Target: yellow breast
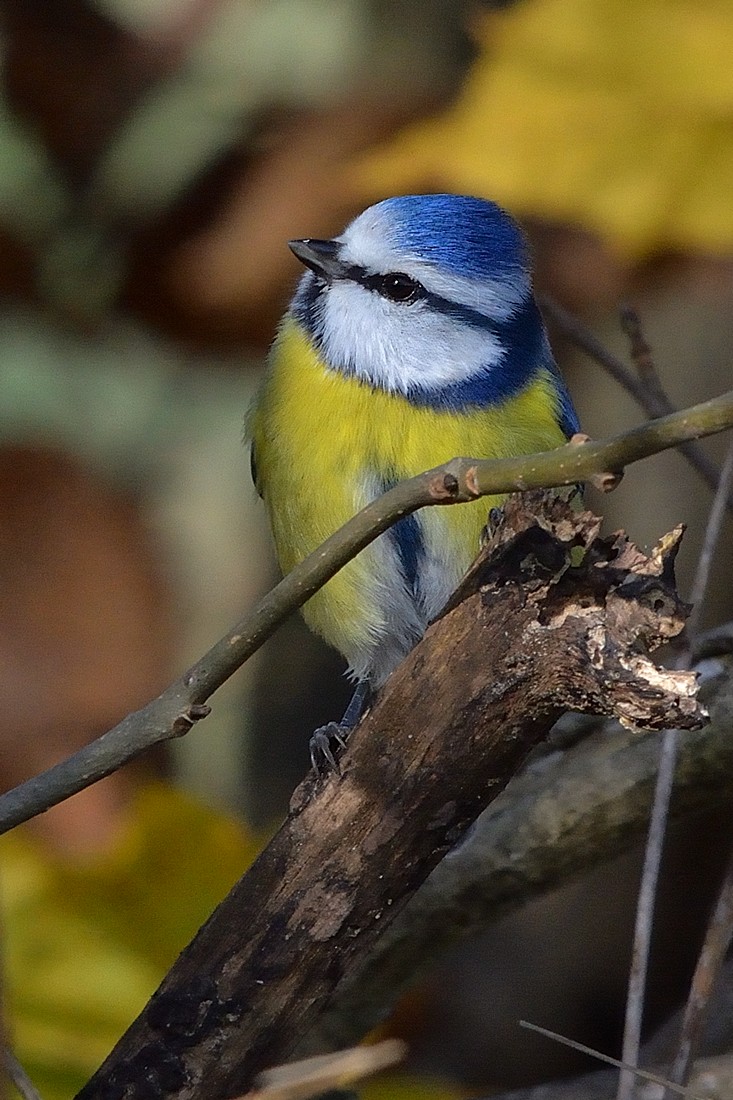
pixel 327 444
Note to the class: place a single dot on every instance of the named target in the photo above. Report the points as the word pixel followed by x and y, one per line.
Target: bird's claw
pixel 322 745
pixel 493 523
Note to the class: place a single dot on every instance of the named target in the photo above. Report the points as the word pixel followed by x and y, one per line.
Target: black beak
pixel 320 256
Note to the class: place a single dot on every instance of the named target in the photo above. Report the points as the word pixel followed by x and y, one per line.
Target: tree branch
pixel 181 705
pixel 551 617
pixel 570 806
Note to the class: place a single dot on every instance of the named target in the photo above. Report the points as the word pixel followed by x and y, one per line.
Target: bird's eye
pixel 399 288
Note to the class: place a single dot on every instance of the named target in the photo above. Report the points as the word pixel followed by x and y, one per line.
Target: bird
pixel 412 337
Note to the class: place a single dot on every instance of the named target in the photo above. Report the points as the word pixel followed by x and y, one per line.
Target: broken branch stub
pixel 551 617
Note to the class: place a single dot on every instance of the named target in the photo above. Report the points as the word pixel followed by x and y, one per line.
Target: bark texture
pixel 551 617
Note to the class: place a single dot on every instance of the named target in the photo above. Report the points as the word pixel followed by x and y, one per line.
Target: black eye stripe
pixel 396 286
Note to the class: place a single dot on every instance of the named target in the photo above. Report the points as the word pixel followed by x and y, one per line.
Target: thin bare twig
pixel 183 704
pixel 649 378
pixel 720 929
pixel 19 1077
pixel 652 399
pixel 645 914
pixel 580 335
pixel 717 940
pixel 710 542
pixel 641 354
pixel 644 1074
pixel 642 357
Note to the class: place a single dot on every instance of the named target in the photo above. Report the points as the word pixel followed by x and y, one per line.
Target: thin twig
pixel 641 354
pixel 649 378
pixel 644 1074
pixel 583 338
pixel 652 399
pixel 462 480
pixel 645 914
pixel 717 940
pixel 19 1077
pixel 710 542
pixel 720 929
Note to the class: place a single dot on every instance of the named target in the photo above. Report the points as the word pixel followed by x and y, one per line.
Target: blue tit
pixel 413 337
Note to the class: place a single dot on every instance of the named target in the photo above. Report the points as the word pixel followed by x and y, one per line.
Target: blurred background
pixel 155 157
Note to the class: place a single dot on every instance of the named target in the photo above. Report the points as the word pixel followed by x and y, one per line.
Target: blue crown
pixel 466 236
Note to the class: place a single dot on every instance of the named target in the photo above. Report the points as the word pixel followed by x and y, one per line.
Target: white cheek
pixel 366 243
pixel 497 298
pixel 400 347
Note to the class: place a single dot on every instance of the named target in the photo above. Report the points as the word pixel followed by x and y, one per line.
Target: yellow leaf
pixel 612 116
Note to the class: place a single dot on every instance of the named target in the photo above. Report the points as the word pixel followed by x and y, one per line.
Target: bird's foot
pixel 325 745
pixel 329 740
pixel 493 523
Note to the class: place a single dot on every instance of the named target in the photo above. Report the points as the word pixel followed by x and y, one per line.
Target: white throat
pixel 398 347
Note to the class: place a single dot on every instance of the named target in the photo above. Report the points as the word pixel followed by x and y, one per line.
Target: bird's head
pixel 425 295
